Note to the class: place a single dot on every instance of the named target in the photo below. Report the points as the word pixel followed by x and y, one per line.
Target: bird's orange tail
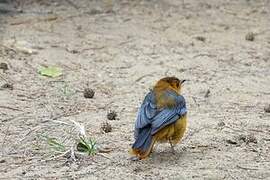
pixel 142 154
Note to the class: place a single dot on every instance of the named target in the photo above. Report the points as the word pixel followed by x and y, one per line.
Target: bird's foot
pixel 172 148
pixel 134 158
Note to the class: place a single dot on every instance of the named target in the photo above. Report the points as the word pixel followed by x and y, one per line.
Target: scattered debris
pixel 73 4
pixel 79 27
pixel 230 141
pixel 95 11
pixel 105 150
pixel 88 93
pixel 246 168
pixel 201 38
pixel 203 54
pixel 64 154
pixel 248 138
pixel 267 108
pixel 72 51
pixel 55 144
pixel 50 71
pixel 38 20
pixel 4 66
pixel 226 27
pixel 71 156
pixel 24 47
pixel 140 78
pixel 137 169
pixel 83 144
pixel 221 124
pixel 250 36
pixel 207 93
pixel 106 127
pixel 80 127
pixel 10 108
pixel 7 86
pixel 111 115
pixel 66 90
pixel 195 101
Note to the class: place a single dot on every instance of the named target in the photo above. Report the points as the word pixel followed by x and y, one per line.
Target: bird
pixel 161 118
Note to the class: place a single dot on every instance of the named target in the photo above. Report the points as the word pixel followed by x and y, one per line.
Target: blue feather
pixel 150 119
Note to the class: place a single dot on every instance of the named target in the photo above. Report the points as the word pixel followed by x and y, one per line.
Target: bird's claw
pixel 134 158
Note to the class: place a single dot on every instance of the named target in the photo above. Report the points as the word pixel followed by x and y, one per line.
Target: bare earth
pixel 120 49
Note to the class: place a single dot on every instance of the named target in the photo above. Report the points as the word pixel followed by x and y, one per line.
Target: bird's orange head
pixel 172 83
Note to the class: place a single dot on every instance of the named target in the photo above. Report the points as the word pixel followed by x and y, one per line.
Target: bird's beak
pixel 182 81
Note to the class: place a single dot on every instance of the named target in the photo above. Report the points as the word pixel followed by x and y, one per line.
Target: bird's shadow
pixel 167 155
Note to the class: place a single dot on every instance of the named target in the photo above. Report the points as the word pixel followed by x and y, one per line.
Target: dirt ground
pixel 120 49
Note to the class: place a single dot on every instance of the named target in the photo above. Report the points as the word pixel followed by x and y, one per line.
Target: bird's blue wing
pixel 150 115
pixel 167 116
pixel 147 111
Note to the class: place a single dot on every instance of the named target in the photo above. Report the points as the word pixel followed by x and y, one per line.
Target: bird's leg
pixel 172 146
pixel 134 158
pixel 154 148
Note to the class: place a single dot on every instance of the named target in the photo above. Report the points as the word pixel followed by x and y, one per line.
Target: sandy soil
pixel 120 49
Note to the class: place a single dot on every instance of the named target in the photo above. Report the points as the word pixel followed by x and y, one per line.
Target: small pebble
pixel 201 38
pixel 88 93
pixel 79 27
pixel 250 36
pixel 267 108
pixel 231 141
pixel 73 51
pixel 221 124
pixel 112 115
pixel 207 93
pixel 7 86
pixel 106 127
pixel 226 27
pixel 95 11
pixel 4 66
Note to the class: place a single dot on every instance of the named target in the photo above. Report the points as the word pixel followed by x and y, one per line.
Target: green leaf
pixel 56 145
pixel 88 146
pixel 53 143
pixel 81 147
pixel 50 71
